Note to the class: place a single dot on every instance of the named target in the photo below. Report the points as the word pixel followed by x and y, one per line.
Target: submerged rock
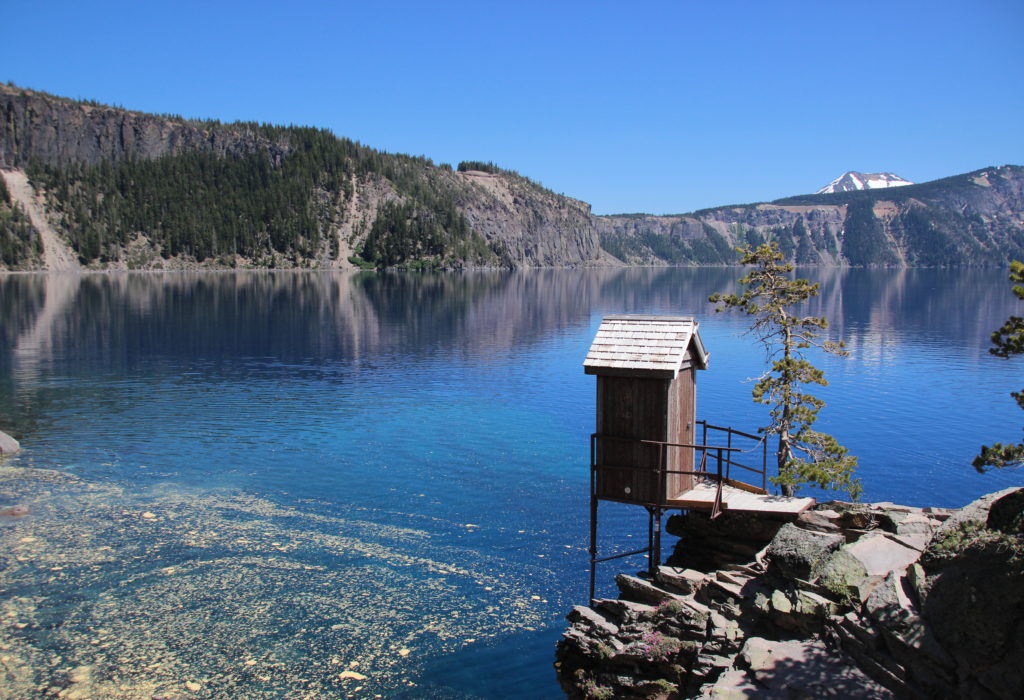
pixel 8 445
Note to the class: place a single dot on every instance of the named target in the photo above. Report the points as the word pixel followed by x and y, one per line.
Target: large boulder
pixel 1007 513
pixel 796 553
pixel 972 517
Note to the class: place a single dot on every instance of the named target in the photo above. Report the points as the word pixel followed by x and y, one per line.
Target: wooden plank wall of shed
pixel 682 407
pixel 637 408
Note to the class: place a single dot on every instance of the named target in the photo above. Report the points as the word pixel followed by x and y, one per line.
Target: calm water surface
pixel 320 485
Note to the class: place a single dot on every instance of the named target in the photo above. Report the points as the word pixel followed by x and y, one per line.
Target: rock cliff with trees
pixel 125 189
pixel 132 190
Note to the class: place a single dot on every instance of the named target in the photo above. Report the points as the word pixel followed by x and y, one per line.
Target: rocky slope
pixel 849 600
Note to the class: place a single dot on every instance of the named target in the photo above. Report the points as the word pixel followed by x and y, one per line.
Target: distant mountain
pixel 852 180
pixel 972 219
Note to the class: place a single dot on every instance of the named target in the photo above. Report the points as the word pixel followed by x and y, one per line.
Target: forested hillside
pixel 127 189
pixel 113 188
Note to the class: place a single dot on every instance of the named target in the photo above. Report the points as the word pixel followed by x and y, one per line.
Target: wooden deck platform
pixel 702 497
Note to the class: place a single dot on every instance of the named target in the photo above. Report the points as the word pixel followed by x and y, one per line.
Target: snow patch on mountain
pixel 853 180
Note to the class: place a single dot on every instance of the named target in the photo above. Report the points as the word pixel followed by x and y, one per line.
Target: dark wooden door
pixel 630 409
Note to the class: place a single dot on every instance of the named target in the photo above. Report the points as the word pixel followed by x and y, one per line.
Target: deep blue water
pixel 254 482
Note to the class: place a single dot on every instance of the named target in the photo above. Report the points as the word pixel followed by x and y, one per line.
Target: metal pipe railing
pixel 724 461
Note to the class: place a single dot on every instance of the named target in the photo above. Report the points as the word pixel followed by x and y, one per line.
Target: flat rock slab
pixel 626 611
pixel 737 685
pixel 594 620
pixel 880 555
pixel 8 445
pixel 806 669
pixel 641 591
pixel 870 557
pixel 686 581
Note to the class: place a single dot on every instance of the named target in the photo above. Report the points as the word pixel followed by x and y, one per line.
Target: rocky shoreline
pixel 846 600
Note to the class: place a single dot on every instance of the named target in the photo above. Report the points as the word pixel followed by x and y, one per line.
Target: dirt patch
pixel 57 255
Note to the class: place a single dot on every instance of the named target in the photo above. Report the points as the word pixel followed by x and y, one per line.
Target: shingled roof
pixel 656 346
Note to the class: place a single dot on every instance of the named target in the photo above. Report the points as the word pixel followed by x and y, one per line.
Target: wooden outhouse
pixel 649 449
pixel 646 369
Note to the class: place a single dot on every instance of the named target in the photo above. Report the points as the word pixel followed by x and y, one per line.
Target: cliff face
pixel 811 233
pixel 971 219
pixel 414 211
pixel 528 226
pixel 56 131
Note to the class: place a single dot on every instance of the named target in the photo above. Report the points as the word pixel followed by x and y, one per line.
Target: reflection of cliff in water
pixel 958 309
pixel 310 318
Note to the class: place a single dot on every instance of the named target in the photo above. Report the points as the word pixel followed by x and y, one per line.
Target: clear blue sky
pixel 659 107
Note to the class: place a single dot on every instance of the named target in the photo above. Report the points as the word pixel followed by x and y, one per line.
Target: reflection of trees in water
pixel 21 301
pixel 130 320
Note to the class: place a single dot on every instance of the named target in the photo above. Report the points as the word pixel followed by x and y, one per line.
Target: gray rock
pixel 913 652
pixel 863 630
pixel 975 604
pixel 916 524
pixel 916 540
pixel 810 603
pixel 642 591
pixel 796 553
pixel 855 568
pixel 975 513
pixel 819 520
pixel 1007 513
pixel 781 603
pixel 593 620
pixel 859 518
pixel 626 611
pixel 877 665
pixel 808 669
pixel 684 581
pixel 735 684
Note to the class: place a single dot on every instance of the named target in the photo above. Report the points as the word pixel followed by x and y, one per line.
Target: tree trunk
pixel 784 454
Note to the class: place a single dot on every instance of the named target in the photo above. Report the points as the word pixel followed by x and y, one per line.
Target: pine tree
pixel 804 455
pixel 1007 341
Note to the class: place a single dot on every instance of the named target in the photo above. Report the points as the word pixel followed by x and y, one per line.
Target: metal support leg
pixel 650 536
pixel 593 545
pixel 655 561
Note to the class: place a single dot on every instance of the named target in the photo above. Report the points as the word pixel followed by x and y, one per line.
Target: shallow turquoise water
pixel 255 482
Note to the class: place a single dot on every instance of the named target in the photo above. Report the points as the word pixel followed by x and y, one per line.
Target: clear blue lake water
pixel 306 484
